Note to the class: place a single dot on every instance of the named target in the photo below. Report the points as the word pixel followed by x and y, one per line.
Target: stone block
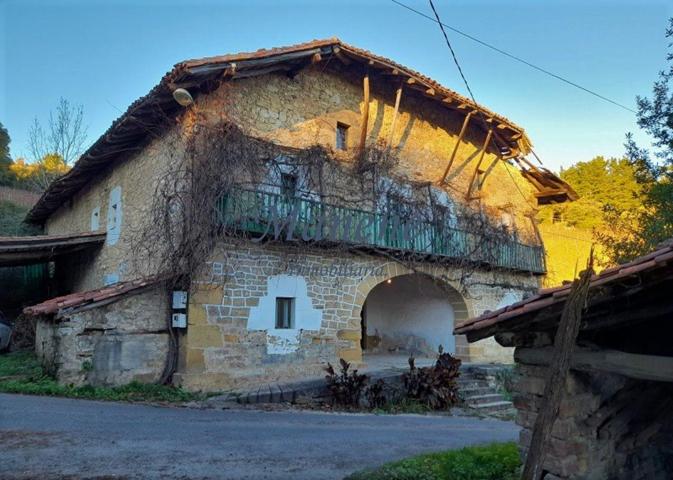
pixel 350 354
pixel 196 315
pixel 205 295
pixel 351 335
pixel 204 336
pixel 194 361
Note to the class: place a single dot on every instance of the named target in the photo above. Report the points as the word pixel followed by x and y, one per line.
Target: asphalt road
pixel 56 438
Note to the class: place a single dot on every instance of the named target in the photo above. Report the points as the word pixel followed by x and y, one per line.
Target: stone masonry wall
pixel 110 345
pixel 607 426
pixel 297 112
pixel 304 111
pixel 137 178
pixel 228 344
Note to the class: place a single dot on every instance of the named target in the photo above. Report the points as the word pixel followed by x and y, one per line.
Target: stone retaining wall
pixel 608 426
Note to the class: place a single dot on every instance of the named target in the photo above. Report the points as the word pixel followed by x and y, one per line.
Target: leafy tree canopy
pixel 602 184
pixel 38 175
pixel 6 177
pixel 653 223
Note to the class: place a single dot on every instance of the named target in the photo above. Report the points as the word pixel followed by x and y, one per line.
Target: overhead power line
pixel 467 85
pixel 512 56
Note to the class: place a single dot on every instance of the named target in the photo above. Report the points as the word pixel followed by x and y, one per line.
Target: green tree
pixel 6 176
pixel 603 184
pixel 654 172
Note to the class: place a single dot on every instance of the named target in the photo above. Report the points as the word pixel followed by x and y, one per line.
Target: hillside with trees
pixel 569 229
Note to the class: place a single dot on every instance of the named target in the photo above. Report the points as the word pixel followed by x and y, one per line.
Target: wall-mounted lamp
pixel 183 97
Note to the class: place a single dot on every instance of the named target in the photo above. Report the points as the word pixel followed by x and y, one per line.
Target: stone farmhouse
pixel 359 210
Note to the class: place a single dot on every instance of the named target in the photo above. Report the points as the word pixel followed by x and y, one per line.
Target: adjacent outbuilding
pixel 615 419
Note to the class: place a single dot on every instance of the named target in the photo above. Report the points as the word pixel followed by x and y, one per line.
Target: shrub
pixel 435 386
pixel 345 387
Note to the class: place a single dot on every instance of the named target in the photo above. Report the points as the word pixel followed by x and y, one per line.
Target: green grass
pixel 20 372
pixel 497 461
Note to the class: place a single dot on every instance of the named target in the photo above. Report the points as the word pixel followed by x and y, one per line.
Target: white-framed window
pixel 285 312
pixel 444 207
pixel 114 216
pixel 95 219
pixel 285 177
pixel 288 185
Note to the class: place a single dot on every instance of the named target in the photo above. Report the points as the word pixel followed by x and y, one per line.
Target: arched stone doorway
pixel 411 314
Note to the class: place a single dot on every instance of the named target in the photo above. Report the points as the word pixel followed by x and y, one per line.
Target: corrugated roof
pixel 148 116
pixel 660 258
pixel 92 298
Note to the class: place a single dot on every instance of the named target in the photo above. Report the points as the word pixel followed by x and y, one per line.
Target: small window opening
pixel 341 136
pixel 288 185
pixel 557 217
pixel 284 312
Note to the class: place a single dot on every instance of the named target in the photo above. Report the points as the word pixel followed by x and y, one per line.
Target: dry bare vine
pixel 209 162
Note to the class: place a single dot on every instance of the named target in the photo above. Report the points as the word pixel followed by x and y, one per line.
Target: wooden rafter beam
pixel 632 365
pixel 365 111
pixel 482 152
pixel 455 147
pixel 341 56
pixel 398 98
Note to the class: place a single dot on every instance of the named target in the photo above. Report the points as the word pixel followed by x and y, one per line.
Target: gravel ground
pixel 58 438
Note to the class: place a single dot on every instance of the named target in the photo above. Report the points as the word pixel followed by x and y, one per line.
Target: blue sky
pixel 104 55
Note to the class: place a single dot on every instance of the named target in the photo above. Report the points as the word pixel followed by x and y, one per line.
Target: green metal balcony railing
pixel 279 217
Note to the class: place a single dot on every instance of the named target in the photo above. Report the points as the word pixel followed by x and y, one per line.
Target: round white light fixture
pixel 183 97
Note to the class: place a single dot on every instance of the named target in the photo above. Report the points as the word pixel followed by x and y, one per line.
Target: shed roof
pixel 44 248
pixel 92 298
pixel 656 264
pixel 149 115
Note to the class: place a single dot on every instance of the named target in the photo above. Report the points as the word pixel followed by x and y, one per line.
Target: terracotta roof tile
pixel 91 297
pixel 662 257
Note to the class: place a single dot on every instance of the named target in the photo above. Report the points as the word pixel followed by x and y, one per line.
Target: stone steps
pixel 492 407
pixel 479 394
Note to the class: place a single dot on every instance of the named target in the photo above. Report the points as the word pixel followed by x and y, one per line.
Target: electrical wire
pixel 467 86
pixel 513 57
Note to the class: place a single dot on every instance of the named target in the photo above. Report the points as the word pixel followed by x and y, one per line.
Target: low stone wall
pixel 608 426
pixel 109 345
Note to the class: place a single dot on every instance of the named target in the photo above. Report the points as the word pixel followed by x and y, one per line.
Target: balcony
pixel 272 216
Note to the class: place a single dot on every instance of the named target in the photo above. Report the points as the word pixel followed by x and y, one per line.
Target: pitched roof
pixel 148 116
pixel 91 298
pixel 490 322
pixel 43 248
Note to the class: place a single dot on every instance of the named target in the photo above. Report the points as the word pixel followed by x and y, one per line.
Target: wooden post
pixel 365 112
pixel 564 344
pixel 455 147
pixel 398 97
pixel 482 152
